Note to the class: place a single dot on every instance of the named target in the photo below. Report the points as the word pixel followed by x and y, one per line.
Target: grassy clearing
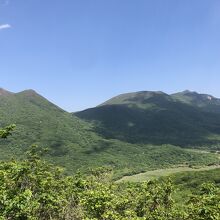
pixel 154 174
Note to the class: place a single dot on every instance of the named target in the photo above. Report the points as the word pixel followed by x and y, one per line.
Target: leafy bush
pixel 34 189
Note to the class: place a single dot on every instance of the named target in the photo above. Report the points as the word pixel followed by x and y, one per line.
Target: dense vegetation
pixel 191 180
pixel 186 119
pixel 73 142
pixel 188 183
pixel 34 189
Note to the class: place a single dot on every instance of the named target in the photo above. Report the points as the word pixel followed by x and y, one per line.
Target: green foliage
pixel 34 189
pixel 31 188
pixel 74 145
pixel 206 205
pixel 192 180
pixel 184 119
pixel 4 133
pixel 189 183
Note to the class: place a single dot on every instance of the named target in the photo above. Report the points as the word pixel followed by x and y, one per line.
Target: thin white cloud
pixel 4 26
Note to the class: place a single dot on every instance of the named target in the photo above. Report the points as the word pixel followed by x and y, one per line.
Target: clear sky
pixel 78 53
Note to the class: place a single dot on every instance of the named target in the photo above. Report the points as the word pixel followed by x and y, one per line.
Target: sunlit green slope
pixel 73 142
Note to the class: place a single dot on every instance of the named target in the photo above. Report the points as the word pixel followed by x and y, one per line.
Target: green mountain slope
pixel 41 122
pixel 185 119
pixel 73 143
pixel 204 102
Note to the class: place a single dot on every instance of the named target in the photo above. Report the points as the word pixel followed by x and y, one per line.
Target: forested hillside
pixel 31 188
pixel 34 189
pixel 74 143
pixel 186 119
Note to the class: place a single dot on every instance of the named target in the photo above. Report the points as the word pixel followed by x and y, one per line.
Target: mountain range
pixel 130 133
pixel 184 119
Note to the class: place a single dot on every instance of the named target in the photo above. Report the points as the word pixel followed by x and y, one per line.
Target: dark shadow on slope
pixel 99 147
pixel 165 123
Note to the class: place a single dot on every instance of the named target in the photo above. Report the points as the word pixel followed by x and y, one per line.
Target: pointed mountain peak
pixel 29 92
pixel 4 92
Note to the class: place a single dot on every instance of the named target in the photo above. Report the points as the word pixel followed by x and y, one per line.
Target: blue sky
pixel 78 53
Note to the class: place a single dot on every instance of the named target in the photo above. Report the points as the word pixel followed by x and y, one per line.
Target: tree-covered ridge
pixel 185 119
pixel 73 143
pixel 34 189
pixel 206 102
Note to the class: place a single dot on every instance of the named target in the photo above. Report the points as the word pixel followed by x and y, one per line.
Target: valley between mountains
pixel 130 133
